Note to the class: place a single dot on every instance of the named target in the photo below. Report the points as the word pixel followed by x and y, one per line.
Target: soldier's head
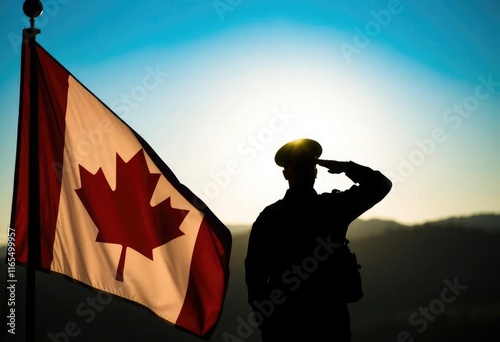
pixel 298 159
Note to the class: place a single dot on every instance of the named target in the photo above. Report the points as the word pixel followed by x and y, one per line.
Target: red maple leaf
pixel 125 216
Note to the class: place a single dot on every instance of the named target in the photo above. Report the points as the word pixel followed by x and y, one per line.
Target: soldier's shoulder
pixel 272 208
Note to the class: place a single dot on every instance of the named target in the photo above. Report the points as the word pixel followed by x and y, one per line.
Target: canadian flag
pixel 112 215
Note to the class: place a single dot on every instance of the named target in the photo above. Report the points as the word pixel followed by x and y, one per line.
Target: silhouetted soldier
pixel 292 264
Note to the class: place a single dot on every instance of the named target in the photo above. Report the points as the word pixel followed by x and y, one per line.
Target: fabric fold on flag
pixel 113 215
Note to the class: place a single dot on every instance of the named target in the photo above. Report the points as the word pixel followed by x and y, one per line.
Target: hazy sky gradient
pixel 411 88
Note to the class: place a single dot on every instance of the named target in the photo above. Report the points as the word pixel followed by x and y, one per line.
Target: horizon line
pixel 404 223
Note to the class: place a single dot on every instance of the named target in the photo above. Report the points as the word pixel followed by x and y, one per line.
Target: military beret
pixel 299 149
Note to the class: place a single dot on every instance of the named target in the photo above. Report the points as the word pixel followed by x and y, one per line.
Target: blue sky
pixel 411 88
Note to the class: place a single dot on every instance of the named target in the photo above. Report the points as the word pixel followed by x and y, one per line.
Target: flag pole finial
pixel 33 9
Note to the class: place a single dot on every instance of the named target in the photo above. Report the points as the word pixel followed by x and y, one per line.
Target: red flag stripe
pixel 205 257
pixel 52 79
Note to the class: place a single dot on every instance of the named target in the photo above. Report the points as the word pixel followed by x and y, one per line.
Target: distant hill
pixel 490 222
pixel 405 270
pixel 374 227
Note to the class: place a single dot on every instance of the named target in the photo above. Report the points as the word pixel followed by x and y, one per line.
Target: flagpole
pixel 32 9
